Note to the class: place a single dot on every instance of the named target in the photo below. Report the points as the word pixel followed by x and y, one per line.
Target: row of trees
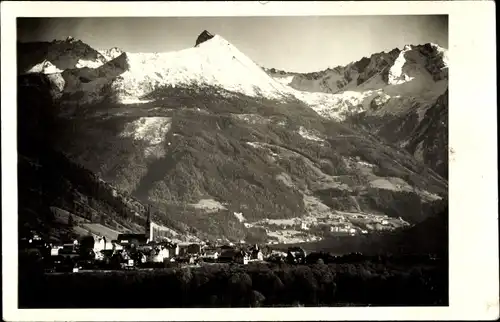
pixel 363 283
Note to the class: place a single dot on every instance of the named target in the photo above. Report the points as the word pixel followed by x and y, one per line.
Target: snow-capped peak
pixel 417 74
pixel 45 67
pixel 390 79
pixel 396 74
pixel 111 53
pixel 213 62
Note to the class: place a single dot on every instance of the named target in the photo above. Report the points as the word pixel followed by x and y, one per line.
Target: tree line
pixel 376 283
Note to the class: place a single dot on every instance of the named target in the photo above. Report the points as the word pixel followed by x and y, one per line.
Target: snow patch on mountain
pixel 88 63
pixel 336 106
pixel 45 67
pixel 392 99
pixel 209 205
pixel 150 129
pixel 396 75
pixel 309 135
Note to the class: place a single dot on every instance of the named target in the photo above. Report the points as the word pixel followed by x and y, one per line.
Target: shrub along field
pixel 376 282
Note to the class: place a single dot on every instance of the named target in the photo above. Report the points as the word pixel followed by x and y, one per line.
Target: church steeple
pixel 148 231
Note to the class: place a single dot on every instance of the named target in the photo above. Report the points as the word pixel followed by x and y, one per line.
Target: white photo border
pixel 472 164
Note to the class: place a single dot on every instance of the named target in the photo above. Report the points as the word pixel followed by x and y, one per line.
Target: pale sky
pixel 301 44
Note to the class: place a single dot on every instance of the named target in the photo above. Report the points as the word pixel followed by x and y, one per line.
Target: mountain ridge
pixel 388 88
pixel 64 54
pixel 333 67
pixel 175 133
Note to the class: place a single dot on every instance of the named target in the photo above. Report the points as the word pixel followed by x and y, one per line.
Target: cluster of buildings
pixel 136 250
pixel 345 228
pixel 339 225
pixel 149 249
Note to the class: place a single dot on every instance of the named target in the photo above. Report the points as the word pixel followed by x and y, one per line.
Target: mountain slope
pixel 389 94
pixel 63 54
pixel 208 136
pixel 51 187
pixel 427 237
pixel 424 135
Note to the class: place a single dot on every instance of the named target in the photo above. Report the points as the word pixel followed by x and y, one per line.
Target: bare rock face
pixel 204 36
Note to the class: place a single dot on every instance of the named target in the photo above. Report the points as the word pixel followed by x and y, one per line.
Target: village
pixel 314 228
pixel 137 251
pixel 158 247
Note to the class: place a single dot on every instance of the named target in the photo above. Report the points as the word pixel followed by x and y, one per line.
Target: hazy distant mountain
pixel 226 149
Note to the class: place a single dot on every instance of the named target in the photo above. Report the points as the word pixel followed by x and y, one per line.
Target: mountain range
pixel 224 148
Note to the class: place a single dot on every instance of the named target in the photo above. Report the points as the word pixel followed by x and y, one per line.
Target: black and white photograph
pixel 266 161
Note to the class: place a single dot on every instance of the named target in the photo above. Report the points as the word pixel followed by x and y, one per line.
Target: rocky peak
pixel 115 50
pixel 111 53
pixel 204 36
pixel 68 53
